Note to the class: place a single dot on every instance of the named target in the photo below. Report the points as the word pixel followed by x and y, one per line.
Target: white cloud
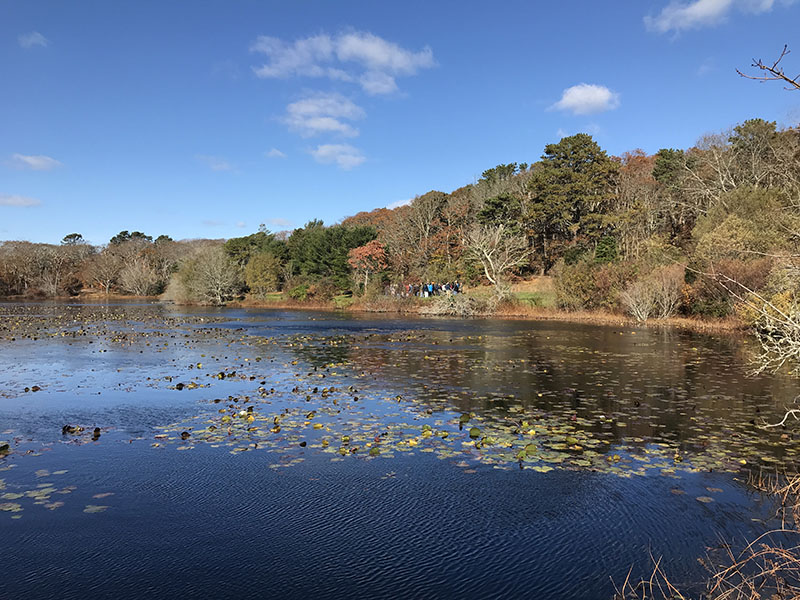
pixel 344 156
pixel 678 16
pixel 375 82
pixel 356 56
pixel 299 58
pixel 587 99
pixel 215 163
pixel 274 153
pixel 398 204
pixel 15 200
pixel 278 222
pixel 379 55
pixel 241 224
pixel 34 38
pixel 37 162
pixel 323 113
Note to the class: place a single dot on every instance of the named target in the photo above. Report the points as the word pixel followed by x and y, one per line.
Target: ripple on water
pixel 207 523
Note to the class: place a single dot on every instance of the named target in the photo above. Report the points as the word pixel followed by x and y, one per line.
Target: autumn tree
pixel 380 219
pixel 367 259
pixel 638 207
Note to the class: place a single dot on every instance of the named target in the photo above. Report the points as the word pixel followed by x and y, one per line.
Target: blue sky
pixel 205 118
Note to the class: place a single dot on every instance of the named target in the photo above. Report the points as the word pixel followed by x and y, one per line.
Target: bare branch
pixel 498 251
pixel 773 72
pixel 794 413
pixel 777 328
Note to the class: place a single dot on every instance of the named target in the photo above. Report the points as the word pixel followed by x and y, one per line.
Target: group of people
pixel 425 290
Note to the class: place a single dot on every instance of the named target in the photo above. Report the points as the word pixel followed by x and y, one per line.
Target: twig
pixel 775 71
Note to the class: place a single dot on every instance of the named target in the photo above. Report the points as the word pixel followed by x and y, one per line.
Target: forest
pixel 701 232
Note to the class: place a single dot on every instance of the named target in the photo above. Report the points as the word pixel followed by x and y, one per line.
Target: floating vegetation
pixel 353 417
pixel 15 498
pixel 618 404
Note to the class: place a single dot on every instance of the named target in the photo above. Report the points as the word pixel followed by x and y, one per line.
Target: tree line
pixel 652 235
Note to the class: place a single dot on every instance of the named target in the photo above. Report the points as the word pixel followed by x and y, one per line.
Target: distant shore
pixel 417 306
pixel 505 311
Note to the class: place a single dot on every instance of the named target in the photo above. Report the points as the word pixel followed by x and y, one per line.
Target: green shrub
pixel 574 285
pixel 262 273
pixel 574 254
pixel 299 292
pixel 588 285
pixel 606 250
pixel 322 289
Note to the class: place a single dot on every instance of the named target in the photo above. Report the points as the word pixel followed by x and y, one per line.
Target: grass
pixel 540 298
pixel 343 300
pixel 273 297
pixel 544 299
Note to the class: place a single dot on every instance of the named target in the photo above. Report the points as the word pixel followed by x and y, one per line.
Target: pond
pixel 158 451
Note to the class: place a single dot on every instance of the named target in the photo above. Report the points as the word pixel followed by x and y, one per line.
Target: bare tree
pixel 61 264
pixel 424 216
pixel 20 265
pixel 639 202
pixel 137 277
pixel 402 241
pixel 103 269
pixel 498 251
pixel 778 332
pixel 163 257
pixel 777 328
pixel 210 276
pixel 656 295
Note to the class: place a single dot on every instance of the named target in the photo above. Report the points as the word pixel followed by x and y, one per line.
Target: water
pixel 371 485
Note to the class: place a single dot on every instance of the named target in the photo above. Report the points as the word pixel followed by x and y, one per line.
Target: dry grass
pixel 284 303
pixel 540 284
pixel 537 313
pixel 766 569
pixel 506 310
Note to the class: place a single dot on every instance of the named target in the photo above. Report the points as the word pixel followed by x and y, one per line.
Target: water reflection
pixel 593 446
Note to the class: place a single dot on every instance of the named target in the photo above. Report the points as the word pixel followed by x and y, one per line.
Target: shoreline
pixel 412 306
pixel 729 325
